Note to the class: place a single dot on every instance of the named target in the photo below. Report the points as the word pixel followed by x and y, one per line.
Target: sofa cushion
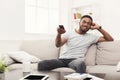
pixel 108 53
pixel 9 45
pixel 43 49
pixel 64 69
pixel 20 66
pixel 108 70
pixel 22 56
pixel 90 55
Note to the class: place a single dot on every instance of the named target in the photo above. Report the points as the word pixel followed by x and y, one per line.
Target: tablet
pixel 35 77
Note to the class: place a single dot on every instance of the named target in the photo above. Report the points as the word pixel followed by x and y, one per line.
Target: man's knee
pixel 78 66
pixel 82 67
pixel 74 64
pixel 42 65
pixel 83 64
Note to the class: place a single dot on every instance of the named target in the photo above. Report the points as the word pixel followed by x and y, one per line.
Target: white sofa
pixel 100 58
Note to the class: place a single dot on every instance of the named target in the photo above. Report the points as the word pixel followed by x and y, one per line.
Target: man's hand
pixel 106 36
pixel 61 30
pixel 95 26
pixel 60 41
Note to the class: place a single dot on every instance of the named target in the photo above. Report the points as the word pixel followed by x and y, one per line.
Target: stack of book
pixel 76 76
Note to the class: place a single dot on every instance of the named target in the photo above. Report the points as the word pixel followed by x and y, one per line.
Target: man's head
pixel 85 23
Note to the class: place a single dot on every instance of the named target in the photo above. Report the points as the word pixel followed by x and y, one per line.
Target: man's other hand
pixel 94 26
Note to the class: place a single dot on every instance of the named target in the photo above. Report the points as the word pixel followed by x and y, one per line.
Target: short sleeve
pixel 93 38
pixel 96 38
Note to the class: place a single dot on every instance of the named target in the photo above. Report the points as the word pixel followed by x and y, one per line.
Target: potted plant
pixel 3 68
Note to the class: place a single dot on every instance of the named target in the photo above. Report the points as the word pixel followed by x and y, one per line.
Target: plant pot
pixel 2 76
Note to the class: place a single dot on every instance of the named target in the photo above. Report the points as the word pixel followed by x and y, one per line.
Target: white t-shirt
pixel 77 45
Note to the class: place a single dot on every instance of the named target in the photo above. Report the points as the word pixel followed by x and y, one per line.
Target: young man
pixel 77 42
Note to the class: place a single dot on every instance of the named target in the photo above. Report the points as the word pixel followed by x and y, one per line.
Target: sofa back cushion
pixel 9 45
pixel 91 55
pixel 43 49
pixel 108 53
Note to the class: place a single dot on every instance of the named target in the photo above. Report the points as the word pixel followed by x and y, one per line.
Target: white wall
pixel 11 19
pixel 64 12
pixel 110 14
pixel 111 17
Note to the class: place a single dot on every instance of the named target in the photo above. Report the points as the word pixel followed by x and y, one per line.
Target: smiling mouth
pixel 84 27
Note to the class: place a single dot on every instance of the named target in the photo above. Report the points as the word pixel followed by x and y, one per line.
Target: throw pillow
pixel 22 56
pixel 108 53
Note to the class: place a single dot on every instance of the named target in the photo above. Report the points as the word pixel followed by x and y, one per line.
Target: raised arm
pixel 106 36
pixel 60 41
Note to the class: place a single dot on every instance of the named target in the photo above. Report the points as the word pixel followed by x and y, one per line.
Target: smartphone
pixel 61 26
pixel 35 77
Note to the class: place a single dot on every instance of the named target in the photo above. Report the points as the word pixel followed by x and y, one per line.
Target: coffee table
pixel 17 74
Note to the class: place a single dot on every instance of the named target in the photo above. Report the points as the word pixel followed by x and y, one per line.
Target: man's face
pixel 85 24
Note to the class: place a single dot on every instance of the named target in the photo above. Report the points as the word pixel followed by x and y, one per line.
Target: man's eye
pixel 84 22
pixel 89 23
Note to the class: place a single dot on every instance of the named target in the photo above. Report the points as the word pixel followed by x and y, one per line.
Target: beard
pixel 84 29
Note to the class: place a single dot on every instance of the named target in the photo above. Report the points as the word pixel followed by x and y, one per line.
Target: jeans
pixel 77 64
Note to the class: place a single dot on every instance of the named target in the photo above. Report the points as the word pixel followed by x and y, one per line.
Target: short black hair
pixel 87 16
